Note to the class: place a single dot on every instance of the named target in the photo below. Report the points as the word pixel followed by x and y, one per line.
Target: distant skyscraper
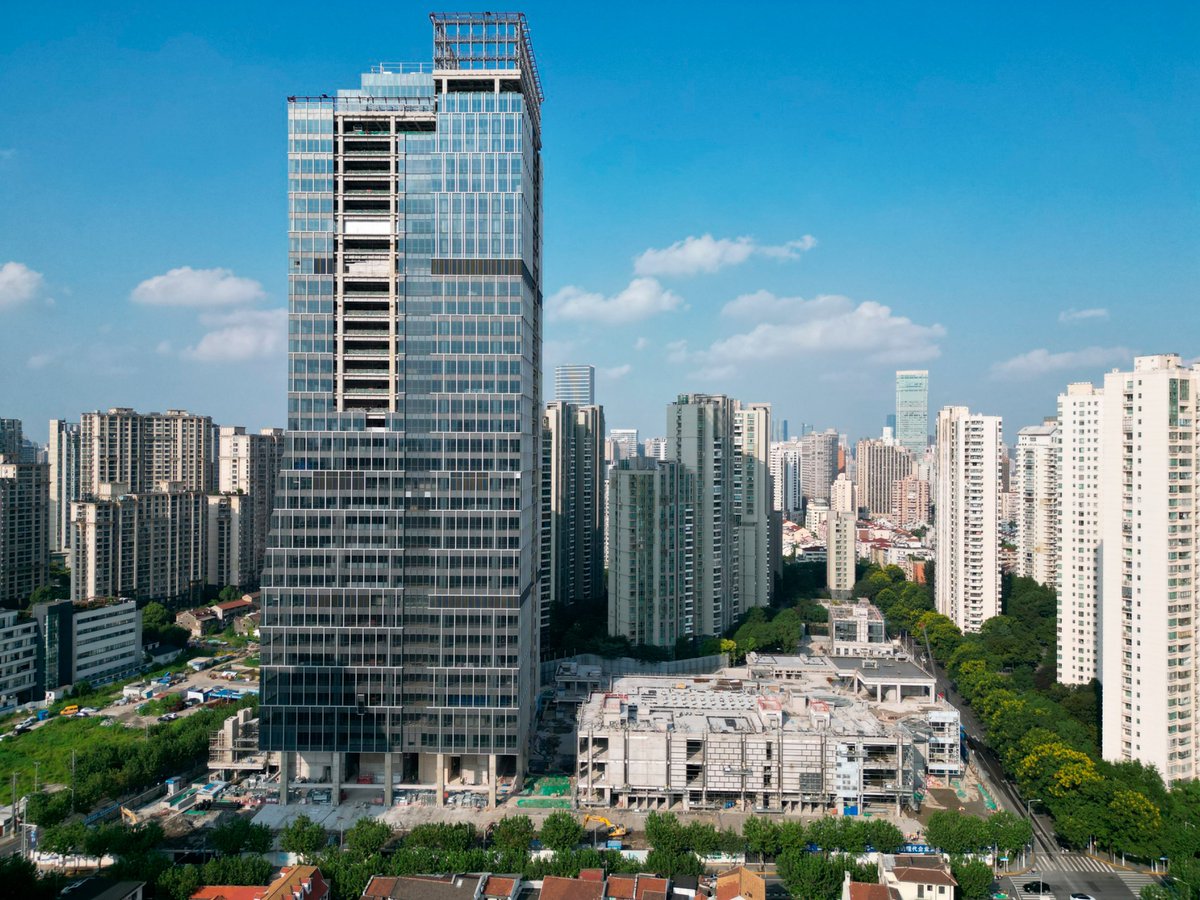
pixel 573 480
pixel 818 464
pixel 575 385
pixel 1148 511
pixel 968 517
pixel 785 478
pixel 400 603
pixel 880 463
pixel 655 448
pixel 758 524
pixel 843 495
pixel 63 456
pixel 1080 469
pixel 1037 490
pixel 912 410
pixel 625 443
pixel 910 501
pixel 248 466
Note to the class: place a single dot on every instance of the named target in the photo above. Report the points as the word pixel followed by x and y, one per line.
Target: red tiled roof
pixel 498 887
pixel 860 891
pixel 621 887
pixel 555 888
pixel 591 874
pixel 648 884
pixel 228 892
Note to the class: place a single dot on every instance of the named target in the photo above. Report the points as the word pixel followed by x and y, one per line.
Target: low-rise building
pixel 857 629
pixel 231 609
pixel 198 622
pixel 292 883
pixel 97 642
pixel 741 884
pixel 914 876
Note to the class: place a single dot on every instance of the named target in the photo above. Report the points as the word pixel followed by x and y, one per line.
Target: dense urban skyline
pixel 999 199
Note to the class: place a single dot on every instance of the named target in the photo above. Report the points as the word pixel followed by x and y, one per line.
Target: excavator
pixel 614 830
pixel 129 816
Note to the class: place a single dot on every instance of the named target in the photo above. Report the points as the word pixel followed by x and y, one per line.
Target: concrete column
pixel 441 779
pixel 492 781
pixel 335 776
pixel 285 775
pixel 387 780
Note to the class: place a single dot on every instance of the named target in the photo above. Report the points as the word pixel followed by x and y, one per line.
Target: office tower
pixel 843 495
pixel 912 410
pixel 910 501
pixel 880 462
pixel 1037 490
pixel 140 450
pixel 1080 425
pixel 24 518
pixel 652 560
pixel 967 513
pixel 18 659
pixel 572 513
pixel 841 553
pixel 63 456
pixel 818 464
pixel 1148 565
pixel 655 448
pixel 785 478
pixel 759 529
pixel 248 467
pixel 399 622
pixel 147 545
pixel 624 444
pixel 575 385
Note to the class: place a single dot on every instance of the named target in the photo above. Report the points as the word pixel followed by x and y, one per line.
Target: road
pixel 1075 873
pixel 1044 841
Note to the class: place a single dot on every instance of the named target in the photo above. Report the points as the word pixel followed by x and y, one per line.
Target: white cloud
pixel 1040 362
pixel 204 288
pixel 242 335
pixel 616 372
pixel 163 348
pixel 641 344
pixel 641 299
pixel 788 327
pixel 18 284
pixel 677 351
pixel 41 360
pixel 706 254
pixel 1070 316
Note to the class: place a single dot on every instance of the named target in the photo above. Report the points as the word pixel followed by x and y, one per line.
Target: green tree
pixel 440 836
pixel 179 882
pixel 303 837
pixel 229 592
pixel 663 832
pixel 810 876
pixel 672 864
pixel 64 839
pixel 956 833
pixel 560 832
pixel 762 837
pixel 238 835
pixel 156 616
pixel 513 834
pixel 974 878
pixel 367 837
pixel 1008 832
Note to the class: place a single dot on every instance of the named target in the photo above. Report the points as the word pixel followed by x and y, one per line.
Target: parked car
pixel 169 717
pixel 1037 888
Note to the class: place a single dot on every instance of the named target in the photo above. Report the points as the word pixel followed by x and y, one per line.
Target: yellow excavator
pixel 614 830
pixel 129 816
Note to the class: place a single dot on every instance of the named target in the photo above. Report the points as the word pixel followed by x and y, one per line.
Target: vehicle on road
pixel 69 710
pixel 1037 888
pixel 169 717
pixel 1082 897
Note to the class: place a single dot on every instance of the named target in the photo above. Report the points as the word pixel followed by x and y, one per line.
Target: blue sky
pixel 785 206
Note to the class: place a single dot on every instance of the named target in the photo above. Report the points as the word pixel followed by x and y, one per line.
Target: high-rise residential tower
pixel 912 411
pixel 1148 597
pixel 63 455
pixel 1080 425
pixel 818 464
pixel 841 553
pixel 572 526
pixel 141 450
pixel 759 527
pixel 1037 490
pixel 967 530
pixel 248 468
pixel 400 603
pixel 785 477
pixel 575 385
pixel 24 518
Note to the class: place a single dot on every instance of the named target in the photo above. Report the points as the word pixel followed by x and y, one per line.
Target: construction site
pixel 804 734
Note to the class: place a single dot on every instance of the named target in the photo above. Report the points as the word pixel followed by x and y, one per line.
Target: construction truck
pixel 614 830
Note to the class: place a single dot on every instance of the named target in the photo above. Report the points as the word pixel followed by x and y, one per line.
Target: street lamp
pixel 1032 828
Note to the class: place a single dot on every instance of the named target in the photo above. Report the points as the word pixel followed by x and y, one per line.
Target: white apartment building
pixel 843 495
pixel 248 465
pixel 818 463
pixel 24 527
pixel 140 450
pixel 63 455
pixel 654 448
pixel 1080 420
pixel 967 526
pixel 880 463
pixel 841 554
pixel 1037 489
pixel 1148 565
pixel 785 478
pixel 758 526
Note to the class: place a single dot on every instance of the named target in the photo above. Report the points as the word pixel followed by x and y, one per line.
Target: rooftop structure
pixel 857 629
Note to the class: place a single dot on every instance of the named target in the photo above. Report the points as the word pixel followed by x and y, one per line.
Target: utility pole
pixel 72 779
pixel 36 765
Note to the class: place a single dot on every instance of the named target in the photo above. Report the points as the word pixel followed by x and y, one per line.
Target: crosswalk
pixel 1135 881
pixel 1070 862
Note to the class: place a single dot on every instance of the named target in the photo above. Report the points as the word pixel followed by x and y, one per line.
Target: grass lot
pixel 51 745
